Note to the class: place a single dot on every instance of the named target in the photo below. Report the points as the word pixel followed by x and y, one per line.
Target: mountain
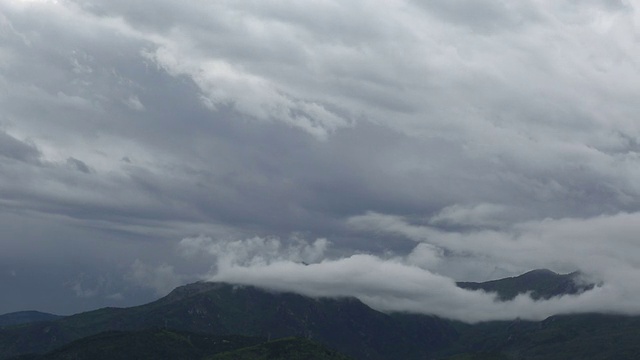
pixel 543 284
pixel 25 317
pixel 346 324
pixel 562 337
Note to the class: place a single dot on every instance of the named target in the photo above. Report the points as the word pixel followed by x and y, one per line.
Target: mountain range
pixel 208 320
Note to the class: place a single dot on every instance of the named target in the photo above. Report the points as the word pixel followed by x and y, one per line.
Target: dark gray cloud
pixel 129 127
pixel 78 165
pixel 15 149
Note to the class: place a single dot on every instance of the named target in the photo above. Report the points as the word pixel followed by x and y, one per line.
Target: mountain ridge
pixel 25 317
pixel 539 283
pixel 347 325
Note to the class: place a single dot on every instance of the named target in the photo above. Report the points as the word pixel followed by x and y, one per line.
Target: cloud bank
pixel 602 248
pixel 412 283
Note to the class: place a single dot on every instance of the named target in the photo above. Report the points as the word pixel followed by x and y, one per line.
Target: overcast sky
pixel 395 146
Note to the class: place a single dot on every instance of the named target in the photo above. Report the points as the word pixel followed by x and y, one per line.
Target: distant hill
pixel 25 317
pixel 562 337
pixel 543 284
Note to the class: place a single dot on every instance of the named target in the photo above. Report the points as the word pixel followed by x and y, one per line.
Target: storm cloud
pixel 439 140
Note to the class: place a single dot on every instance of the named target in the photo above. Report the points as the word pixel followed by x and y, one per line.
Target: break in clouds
pixel 422 143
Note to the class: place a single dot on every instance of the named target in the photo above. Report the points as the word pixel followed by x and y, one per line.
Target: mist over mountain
pixel 206 320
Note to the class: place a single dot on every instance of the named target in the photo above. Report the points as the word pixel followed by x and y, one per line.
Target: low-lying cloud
pixel 601 248
pixel 395 286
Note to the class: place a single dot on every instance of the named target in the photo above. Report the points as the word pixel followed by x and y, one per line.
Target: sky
pixel 382 150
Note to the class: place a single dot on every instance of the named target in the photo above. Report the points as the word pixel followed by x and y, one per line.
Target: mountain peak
pixel 544 272
pixel 541 283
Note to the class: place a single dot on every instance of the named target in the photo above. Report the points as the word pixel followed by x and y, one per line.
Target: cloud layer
pixel 500 137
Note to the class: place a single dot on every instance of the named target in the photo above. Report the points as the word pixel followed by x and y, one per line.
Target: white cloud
pixel 395 285
pixel 223 84
pixel 116 296
pixel 256 250
pixel 600 245
pixel 87 287
pixel 162 278
pixel 472 215
pixel 405 284
pixel 426 256
pixel 134 103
